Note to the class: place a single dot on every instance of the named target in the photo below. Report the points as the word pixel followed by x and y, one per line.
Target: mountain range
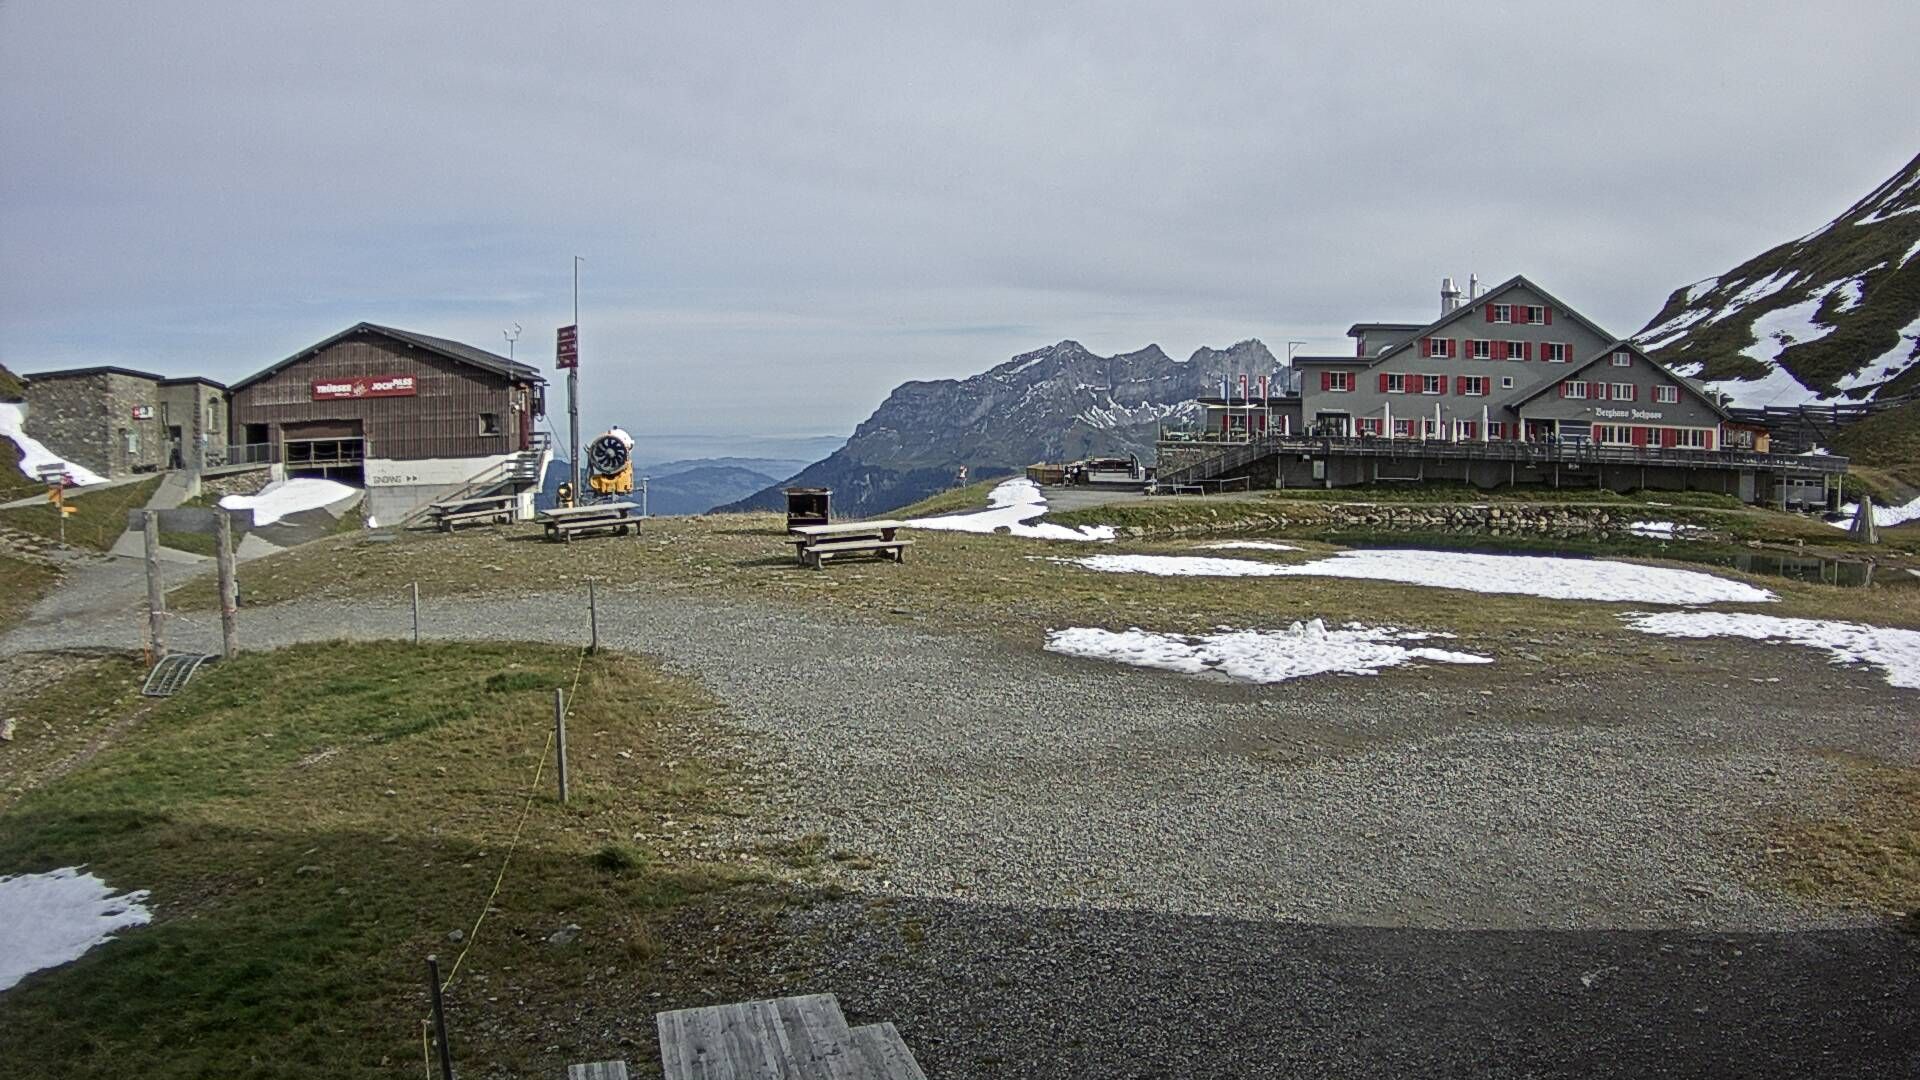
pixel 1831 316
pixel 1059 403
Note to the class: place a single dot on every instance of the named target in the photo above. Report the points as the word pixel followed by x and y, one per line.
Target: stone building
pixel 117 421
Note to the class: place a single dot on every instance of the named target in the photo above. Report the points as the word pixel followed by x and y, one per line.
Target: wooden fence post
pixel 156 589
pixel 229 588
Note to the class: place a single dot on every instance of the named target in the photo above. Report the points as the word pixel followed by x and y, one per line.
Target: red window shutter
pixel 1563 389
pixel 1633 392
pixel 1489 312
pixel 1443 384
pixel 1528 346
pixel 1326 380
pixel 1669 436
pixel 1460 384
pixel 1597 391
pixel 1639 436
pixel 1426 346
pixel 1453 348
pixel 1499 350
pixel 1383 382
pixel 1547 313
pixel 1711 432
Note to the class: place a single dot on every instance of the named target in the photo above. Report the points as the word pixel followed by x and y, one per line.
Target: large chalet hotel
pixel 1507 386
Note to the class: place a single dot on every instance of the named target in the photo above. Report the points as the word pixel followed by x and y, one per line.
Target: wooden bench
pixel 453 513
pixel 563 522
pixel 798 1037
pixel 813 545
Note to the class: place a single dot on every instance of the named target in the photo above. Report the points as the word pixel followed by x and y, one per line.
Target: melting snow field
pixel 283 497
pixel 49 919
pixel 1896 652
pixel 1261 656
pixel 1530 575
pixel 1012 506
pixel 1883 516
pixel 1247 545
pixel 33 454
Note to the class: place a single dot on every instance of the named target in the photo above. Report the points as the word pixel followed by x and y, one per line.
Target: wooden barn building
pixel 412 417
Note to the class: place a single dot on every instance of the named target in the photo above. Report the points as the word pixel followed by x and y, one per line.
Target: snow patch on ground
pixel 1247 545
pixel 1883 516
pixel 1911 252
pixel 1674 327
pixel 1890 364
pixel 1549 576
pixel 1701 288
pixel 1664 530
pixel 1895 652
pixel 1756 292
pixel 283 497
pixel 33 453
pixel 1778 388
pixel 1012 506
pixel 51 918
pixel 1260 656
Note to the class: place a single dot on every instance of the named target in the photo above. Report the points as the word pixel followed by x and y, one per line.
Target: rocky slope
pixel 1834 315
pixel 1058 403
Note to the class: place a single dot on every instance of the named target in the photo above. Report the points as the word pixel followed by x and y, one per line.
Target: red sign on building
pixel 566 351
pixel 364 386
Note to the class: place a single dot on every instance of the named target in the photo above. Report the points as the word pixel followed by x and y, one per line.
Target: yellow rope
pixel 426 1051
pixel 533 792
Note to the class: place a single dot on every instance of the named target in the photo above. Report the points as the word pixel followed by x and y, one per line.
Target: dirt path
pixel 1098 870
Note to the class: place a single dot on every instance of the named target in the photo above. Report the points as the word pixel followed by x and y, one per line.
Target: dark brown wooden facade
pixel 464 403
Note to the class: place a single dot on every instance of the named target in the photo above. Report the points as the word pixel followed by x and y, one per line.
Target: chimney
pixel 1449 296
pixel 1473 286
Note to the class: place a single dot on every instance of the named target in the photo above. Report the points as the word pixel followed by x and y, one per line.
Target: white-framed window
pixel 1575 389
pixel 1433 384
pixel 1623 359
pixel 1496 430
pixel 1429 428
pixel 1506 382
pixel 1466 430
pixel 1474 386
pixel 1403 429
pixel 1692 438
pixel 1516 350
pixel 1536 314
pixel 1480 349
pixel 1503 313
pixel 1440 346
pixel 1623 392
pixel 1396 383
pixel 1340 382
pixel 1613 434
pixel 1666 395
pixel 1553 352
pixel 1369 425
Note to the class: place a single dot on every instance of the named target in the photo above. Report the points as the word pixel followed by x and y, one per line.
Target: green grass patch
pixel 11 388
pixel 1868 854
pixel 22 584
pixel 314 822
pixel 970 497
pixel 101 516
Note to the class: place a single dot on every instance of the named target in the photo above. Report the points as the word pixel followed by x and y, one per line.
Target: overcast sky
pixel 786 209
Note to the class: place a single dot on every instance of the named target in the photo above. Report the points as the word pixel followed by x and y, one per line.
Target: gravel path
pixel 1085 851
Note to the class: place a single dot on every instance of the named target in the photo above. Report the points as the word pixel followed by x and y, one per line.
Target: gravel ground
pixel 1086 869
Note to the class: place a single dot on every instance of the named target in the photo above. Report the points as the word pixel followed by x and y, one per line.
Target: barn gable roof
pixel 1470 307
pixel 452 350
pixel 1687 386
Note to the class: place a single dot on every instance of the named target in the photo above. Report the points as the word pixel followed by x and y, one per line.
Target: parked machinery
pixel 610 465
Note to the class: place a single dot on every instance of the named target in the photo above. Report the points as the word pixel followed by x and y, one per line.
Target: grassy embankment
pixel 314 822
pixel 1885 452
pixel 102 515
pixel 22 584
pixel 1869 853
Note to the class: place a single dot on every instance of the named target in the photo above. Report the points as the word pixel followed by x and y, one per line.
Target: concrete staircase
pixel 1227 461
pixel 513 476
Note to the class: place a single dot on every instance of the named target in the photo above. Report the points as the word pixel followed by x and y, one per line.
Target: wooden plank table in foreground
pixel 814 544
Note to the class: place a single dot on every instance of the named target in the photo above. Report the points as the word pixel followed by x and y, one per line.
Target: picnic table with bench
pixel 453 513
pixel 813 545
pixel 564 521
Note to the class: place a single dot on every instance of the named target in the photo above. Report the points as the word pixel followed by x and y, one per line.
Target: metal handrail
pixel 1576 452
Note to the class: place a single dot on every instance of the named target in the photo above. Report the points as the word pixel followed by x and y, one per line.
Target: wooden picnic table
pixel 563 521
pixel 455 512
pixel 814 544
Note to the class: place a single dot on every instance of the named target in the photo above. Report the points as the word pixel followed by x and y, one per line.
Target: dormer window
pixel 1536 314
pixel 1622 359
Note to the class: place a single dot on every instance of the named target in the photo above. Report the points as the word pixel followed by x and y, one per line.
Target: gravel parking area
pixel 1086 869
